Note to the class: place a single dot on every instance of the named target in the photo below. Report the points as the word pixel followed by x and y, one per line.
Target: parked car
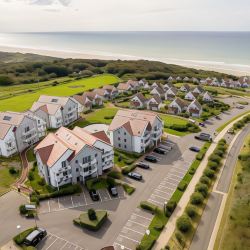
pixel 230 131
pixel 195 149
pixel 202 124
pixel 150 158
pixel 142 165
pixel 159 151
pixel 94 195
pixel 135 176
pixel 113 191
pixel 217 117
pixel 35 237
pixel 204 137
pixel 240 107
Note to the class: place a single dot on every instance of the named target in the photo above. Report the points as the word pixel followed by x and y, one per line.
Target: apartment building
pixel 56 111
pixel 134 130
pixel 18 131
pixel 71 156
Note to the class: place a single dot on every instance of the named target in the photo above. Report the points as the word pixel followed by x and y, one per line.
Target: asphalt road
pixel 59 223
pixel 204 231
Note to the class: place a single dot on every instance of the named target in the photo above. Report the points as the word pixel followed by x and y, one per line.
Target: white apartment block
pixel 71 156
pixel 134 131
pixel 18 131
pixel 56 111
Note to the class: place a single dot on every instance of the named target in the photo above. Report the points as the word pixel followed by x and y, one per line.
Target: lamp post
pixel 165 207
pixel 18 228
pixel 148 232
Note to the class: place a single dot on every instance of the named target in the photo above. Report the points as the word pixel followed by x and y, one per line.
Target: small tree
pixel 184 224
pixel 197 198
pixel 92 214
pixel 209 173
pixel 31 176
pixel 205 180
pixel 191 211
pixel 202 188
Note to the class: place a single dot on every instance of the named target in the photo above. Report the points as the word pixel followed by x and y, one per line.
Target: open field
pixel 234 232
pixel 24 102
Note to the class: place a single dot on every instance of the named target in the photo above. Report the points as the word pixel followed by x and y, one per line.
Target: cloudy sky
pixel 81 15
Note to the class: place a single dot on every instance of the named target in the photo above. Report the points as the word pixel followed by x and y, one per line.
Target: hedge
pixel 202 188
pixel 209 173
pixel 184 224
pixel 170 207
pixel 115 174
pixel 196 198
pixel 148 206
pixel 182 186
pixel 127 169
pixel 215 158
pixel 19 239
pixel 191 211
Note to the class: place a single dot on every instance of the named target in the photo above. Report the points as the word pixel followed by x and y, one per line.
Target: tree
pixel 92 214
pixel 5 80
pixel 197 198
pixel 184 224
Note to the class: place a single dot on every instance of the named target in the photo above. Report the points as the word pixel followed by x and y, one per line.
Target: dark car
pixel 150 158
pixel 94 195
pixel 135 176
pixel 159 151
pixel 202 124
pixel 142 165
pixel 113 191
pixel 217 117
pixel 203 137
pixel 195 149
pixel 35 237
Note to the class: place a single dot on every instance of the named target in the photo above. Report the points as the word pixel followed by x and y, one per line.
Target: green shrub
pixel 13 171
pixel 244 156
pixel 42 182
pixel 115 174
pixel 213 165
pixel 192 171
pixel 111 182
pixel 148 206
pixel 191 211
pixel 200 156
pixel 196 198
pixel 184 224
pixel 127 169
pixel 205 180
pixel 22 209
pixel 215 158
pixel 218 152
pixel 92 214
pixel 180 238
pixel 202 188
pixel 170 207
pixel 209 173
pixel 182 186
pixel 31 176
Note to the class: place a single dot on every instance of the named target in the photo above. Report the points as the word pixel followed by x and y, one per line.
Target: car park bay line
pixel 165 187
pixel 136 241
pixel 161 197
pixel 127 228
pixel 165 183
pixel 64 245
pixel 175 175
pixel 138 223
pixel 142 217
pixel 158 190
pixel 121 246
pixel 157 202
pixel 51 244
pixel 172 179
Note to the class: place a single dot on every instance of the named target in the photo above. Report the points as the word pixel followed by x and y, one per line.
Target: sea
pixel 214 50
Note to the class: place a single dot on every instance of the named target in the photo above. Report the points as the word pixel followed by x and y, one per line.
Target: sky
pixel 124 15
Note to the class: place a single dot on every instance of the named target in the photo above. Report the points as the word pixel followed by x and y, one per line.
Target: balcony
pixel 146 135
pixel 108 165
pixel 90 172
pixel 91 163
pixel 29 132
pixel 108 154
pixel 27 139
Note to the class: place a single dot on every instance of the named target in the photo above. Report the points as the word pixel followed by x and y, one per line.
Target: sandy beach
pixel 234 69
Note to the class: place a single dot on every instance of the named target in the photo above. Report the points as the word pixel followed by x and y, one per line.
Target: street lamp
pixel 165 207
pixel 147 232
pixel 122 247
pixel 18 228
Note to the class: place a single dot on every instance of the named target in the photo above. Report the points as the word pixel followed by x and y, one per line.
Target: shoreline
pixel 238 70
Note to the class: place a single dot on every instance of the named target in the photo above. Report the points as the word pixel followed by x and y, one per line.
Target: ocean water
pixel 218 49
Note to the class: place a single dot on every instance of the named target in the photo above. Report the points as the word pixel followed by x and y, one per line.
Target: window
pixel 65 173
pixel 64 164
pixel 95 155
pixel 69 109
pixel 125 146
pixel 38 121
pixel 141 141
pixel 77 169
pixel 119 145
pixel 125 133
pixel 76 161
pixel 26 129
pixel 119 132
pixel 119 138
pixel 125 140
pixel 86 159
pixel 54 100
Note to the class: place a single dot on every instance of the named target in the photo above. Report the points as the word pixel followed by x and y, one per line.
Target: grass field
pixel 24 101
pixel 234 231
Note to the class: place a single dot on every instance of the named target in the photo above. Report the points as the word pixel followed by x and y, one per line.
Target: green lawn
pixel 24 101
pixel 170 120
pixel 30 155
pixel 6 179
pixel 122 158
pixel 96 183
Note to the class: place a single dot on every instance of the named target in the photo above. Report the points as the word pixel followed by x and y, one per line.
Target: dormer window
pixel 7 118
pixel 54 100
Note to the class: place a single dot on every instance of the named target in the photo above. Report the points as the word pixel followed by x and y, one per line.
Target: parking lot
pixel 54 242
pixel 133 231
pixel 78 200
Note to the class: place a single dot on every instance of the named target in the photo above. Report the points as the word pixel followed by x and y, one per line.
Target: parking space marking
pixel 172 184
pixel 142 217
pixel 157 202
pixel 178 171
pixel 165 183
pixel 175 175
pixel 49 205
pixel 64 245
pixel 51 244
pixel 173 179
pixel 133 231
pixel 165 187
pixel 122 246
pixel 156 156
pixel 136 241
pixel 161 197
pixel 109 195
pixel 138 223
pixel 180 168
pixel 157 190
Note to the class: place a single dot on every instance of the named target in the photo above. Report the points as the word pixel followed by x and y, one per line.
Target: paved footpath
pixel 170 227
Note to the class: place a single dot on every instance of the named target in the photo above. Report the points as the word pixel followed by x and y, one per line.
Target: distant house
pixel 178 78
pixel 154 103
pixel 171 93
pixel 157 84
pixel 56 111
pixel 207 97
pixel 168 85
pixel 170 79
pixel 134 84
pixel 177 106
pixel 146 86
pixel 186 79
pixel 113 92
pixel 102 93
pixel 138 101
pixel 195 80
pixel 158 91
pixel 194 109
pixel 198 89
pixel 124 87
pixel 190 96
pixel 185 88
pixel 142 83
